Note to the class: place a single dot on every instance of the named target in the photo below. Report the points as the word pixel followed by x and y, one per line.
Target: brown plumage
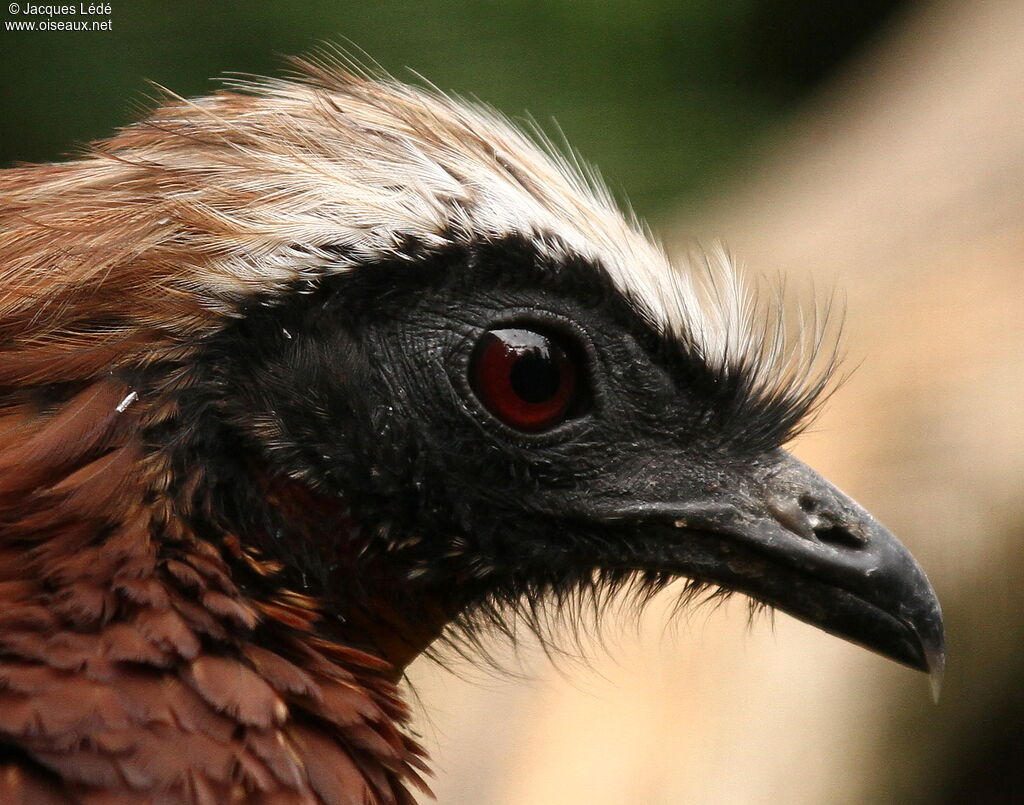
pixel 132 667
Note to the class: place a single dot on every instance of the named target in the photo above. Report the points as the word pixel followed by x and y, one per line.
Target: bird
pixel 322 372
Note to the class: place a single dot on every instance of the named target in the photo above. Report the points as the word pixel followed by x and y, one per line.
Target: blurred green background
pixel 663 96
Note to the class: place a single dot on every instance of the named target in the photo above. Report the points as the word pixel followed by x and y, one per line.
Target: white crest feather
pixel 275 181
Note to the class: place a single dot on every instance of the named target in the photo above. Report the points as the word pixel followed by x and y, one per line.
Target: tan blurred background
pixel 876 146
pixel 901 183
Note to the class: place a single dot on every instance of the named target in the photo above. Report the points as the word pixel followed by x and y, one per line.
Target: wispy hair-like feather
pixel 273 182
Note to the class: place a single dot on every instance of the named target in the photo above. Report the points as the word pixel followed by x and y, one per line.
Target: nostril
pixel 825 526
pixel 807 517
pixel 791 516
pixel 839 536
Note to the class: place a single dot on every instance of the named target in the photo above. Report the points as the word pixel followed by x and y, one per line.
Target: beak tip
pixel 935 662
pixel 935 681
pixel 931 641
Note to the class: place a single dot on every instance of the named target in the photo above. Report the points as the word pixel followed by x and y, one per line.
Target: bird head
pixel 428 372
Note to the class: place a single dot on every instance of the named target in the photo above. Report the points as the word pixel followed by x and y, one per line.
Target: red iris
pixel 524 378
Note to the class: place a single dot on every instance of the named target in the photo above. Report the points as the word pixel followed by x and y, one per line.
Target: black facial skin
pixel 358 388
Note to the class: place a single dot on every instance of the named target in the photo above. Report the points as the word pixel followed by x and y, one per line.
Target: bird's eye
pixel 527 380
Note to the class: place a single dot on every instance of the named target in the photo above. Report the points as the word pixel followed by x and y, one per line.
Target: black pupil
pixel 535 377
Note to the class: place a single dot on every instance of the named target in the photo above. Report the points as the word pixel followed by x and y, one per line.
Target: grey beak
pixel 789 538
pixel 841 570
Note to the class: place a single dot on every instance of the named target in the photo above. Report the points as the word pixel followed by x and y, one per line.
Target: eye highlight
pixel 528 380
